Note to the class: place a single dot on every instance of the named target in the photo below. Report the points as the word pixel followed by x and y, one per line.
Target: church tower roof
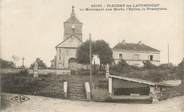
pixel 72 18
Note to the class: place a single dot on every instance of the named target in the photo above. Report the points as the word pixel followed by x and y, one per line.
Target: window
pixel 120 56
pixel 136 57
pixel 151 57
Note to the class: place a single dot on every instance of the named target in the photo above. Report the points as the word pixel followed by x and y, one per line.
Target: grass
pixel 52 85
pixel 25 84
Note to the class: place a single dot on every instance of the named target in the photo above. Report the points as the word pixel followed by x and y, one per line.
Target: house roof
pixel 142 81
pixel 134 47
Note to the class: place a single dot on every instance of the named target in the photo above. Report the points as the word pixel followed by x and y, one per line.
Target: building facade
pixel 135 53
pixel 66 50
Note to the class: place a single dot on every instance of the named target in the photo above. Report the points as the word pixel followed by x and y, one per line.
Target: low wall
pixel 51 71
pixel 10 70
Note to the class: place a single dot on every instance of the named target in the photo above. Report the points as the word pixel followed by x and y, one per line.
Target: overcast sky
pixel 32 28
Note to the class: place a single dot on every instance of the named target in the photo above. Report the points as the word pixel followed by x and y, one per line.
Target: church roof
pixel 73 18
pixel 134 47
pixel 67 39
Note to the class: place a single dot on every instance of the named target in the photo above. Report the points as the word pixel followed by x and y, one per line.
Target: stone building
pixel 135 53
pixel 66 50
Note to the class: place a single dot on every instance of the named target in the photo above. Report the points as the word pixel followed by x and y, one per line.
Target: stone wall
pixel 10 70
pixel 52 71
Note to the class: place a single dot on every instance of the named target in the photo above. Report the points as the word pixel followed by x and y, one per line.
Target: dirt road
pixel 44 104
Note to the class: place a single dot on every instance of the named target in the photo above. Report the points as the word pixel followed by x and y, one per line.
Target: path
pixel 44 104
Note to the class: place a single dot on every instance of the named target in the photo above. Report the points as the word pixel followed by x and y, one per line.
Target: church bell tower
pixel 72 26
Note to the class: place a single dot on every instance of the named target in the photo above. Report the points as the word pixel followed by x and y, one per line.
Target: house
pixel 135 53
pixel 66 50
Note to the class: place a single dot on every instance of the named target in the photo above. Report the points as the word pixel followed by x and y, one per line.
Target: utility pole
pixel 90 57
pixel 23 62
pixel 182 74
pixel 168 55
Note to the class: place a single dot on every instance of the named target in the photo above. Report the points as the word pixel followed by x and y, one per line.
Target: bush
pixel 180 71
pixel 24 71
pixel 121 67
pixel 149 65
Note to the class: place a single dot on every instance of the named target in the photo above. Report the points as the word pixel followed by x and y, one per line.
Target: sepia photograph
pixel 92 55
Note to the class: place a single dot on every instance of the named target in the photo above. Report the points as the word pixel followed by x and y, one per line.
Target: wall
pixel 123 87
pixel 52 71
pixel 77 66
pixel 64 55
pixel 10 70
pixel 65 51
pixel 118 83
pixel 132 59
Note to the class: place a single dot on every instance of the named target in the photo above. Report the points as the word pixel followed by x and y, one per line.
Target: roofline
pixel 67 39
pixel 158 51
pixel 155 50
pixel 134 80
pixel 141 81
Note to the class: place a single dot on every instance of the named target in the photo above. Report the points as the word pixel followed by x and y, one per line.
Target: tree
pixel 102 49
pixel 180 71
pixel 41 64
pixel 99 47
pixel 83 53
pixel 7 64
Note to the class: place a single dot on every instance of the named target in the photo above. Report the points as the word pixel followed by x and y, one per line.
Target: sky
pixel 32 28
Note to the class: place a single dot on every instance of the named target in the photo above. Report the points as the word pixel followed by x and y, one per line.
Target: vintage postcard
pixel 92 55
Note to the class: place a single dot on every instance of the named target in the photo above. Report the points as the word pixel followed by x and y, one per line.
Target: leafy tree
pixel 180 71
pixel 40 62
pixel 99 47
pixel 7 64
pixel 83 53
pixel 102 49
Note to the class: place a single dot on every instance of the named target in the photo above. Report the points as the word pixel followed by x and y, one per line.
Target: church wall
pixel 63 56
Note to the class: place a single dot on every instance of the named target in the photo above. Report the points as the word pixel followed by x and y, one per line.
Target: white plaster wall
pixel 129 56
pixel 63 56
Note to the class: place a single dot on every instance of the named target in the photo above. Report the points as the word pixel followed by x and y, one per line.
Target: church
pixel 66 51
pixel 72 39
